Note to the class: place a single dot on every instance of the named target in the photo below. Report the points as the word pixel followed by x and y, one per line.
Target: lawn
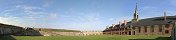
pixel 97 37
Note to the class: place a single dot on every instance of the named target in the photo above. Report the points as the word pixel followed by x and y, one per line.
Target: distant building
pixel 91 33
pixel 6 29
pixel 150 26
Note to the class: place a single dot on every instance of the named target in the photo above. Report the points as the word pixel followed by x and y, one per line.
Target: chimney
pixel 113 25
pixel 120 24
pixel 125 24
pixel 165 16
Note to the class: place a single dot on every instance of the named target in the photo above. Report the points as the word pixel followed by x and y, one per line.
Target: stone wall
pixel 70 33
pixel 159 29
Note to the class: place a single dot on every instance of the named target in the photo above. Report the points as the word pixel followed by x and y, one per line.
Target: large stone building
pixel 150 26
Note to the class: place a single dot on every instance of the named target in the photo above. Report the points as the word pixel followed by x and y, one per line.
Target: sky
pixel 84 15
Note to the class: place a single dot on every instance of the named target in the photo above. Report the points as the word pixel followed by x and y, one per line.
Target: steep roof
pixel 154 21
pixel 149 21
pixel 168 18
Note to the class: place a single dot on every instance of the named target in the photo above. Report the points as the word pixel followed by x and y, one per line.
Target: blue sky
pixel 86 15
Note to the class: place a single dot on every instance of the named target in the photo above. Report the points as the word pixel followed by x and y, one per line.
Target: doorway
pixel 133 32
pixel 129 32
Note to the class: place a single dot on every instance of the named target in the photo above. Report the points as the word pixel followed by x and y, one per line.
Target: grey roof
pixel 169 18
pixel 149 22
pixel 155 21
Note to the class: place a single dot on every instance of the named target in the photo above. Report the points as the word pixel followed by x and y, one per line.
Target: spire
pixel 165 16
pixel 136 9
pixel 136 12
pixel 135 17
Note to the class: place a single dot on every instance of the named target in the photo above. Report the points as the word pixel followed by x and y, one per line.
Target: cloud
pixel 173 2
pixel 33 12
pixel 11 20
pixel 171 12
pixel 27 16
pixel 5 11
pixel 81 21
pixel 114 20
pixel 150 11
pixel 25 11
pixel 47 3
pixel 29 9
pixel 52 16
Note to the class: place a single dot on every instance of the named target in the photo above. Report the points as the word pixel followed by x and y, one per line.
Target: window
pixel 167 26
pixel 122 32
pixel 117 32
pixel 133 28
pixel 122 28
pixel 145 29
pixel 129 32
pixel 152 28
pixel 125 32
pixel 139 29
pixel 166 31
pixel 133 32
pixel 160 29
pixel 129 26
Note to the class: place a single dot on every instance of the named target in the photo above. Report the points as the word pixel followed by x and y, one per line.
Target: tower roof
pixel 136 9
pixel 135 16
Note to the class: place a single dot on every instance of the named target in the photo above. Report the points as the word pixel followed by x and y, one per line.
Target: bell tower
pixel 135 16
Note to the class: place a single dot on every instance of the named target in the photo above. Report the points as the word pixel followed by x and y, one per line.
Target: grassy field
pixel 99 37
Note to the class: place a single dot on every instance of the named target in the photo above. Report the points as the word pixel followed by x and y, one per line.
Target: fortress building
pixel 150 26
pixel 6 29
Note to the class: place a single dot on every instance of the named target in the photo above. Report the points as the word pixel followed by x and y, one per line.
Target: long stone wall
pixel 70 33
pixel 160 29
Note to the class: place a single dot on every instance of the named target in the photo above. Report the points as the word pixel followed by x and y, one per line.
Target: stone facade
pixel 163 29
pixel 86 33
pixel 151 26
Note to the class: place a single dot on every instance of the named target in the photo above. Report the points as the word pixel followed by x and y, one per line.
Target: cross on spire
pixel 135 17
pixel 164 15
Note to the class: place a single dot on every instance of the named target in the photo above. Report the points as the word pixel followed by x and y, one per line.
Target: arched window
pixel 152 28
pixel 167 31
pixel 117 32
pixel 145 29
pixel 133 32
pixel 133 28
pixel 160 29
pixel 125 32
pixel 129 32
pixel 167 26
pixel 139 29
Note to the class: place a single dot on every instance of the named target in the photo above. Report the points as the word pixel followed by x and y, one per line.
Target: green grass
pixel 7 37
pixel 98 37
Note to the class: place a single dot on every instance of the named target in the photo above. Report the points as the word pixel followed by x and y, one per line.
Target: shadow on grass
pixel 159 38
pixel 7 37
